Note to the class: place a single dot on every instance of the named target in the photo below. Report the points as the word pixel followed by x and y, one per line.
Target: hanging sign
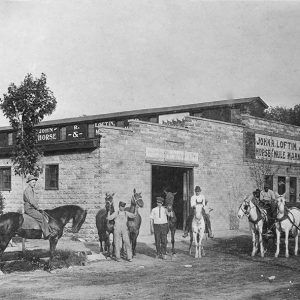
pixel 49 134
pixel 277 149
pixel 76 132
pixel 168 155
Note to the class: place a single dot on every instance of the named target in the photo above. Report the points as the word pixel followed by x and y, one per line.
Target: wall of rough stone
pixel 282 130
pixel 119 165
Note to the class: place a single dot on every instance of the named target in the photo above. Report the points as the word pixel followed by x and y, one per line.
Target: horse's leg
pixel 173 240
pixel 191 243
pixel 277 241
pixel 53 243
pixel 286 242
pixel 260 239
pixel 133 241
pixel 296 241
pixel 195 237
pixel 100 242
pixel 254 248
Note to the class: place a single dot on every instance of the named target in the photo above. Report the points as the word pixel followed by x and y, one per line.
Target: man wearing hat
pixel 31 206
pixel 121 230
pixel 160 227
pixel 198 198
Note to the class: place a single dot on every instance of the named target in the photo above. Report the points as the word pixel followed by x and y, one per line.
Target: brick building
pixel 217 148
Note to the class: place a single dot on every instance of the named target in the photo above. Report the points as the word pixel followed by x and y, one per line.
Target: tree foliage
pixel 284 114
pixel 25 106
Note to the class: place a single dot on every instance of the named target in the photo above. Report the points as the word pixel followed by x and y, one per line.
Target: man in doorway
pixel 198 198
pixel 31 207
pixel 159 225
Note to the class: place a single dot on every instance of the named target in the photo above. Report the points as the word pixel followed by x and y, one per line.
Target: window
pixel 5 178
pixel 269 181
pixel 281 185
pixel 293 189
pixel 51 177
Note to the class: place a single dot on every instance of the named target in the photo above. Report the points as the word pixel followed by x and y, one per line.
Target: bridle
pixel 135 198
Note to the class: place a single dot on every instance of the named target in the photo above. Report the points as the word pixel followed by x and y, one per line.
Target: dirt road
pixel 226 272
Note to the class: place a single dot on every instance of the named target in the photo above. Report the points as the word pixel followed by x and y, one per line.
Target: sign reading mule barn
pixel 277 148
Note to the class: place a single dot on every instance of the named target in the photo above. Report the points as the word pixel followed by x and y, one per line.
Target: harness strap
pixel 259 217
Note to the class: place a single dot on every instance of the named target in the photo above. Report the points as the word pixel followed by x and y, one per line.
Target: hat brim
pixel 35 179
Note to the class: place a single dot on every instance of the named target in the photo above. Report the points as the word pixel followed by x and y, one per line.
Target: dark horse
pixel 104 227
pixel 172 220
pixel 135 223
pixel 13 223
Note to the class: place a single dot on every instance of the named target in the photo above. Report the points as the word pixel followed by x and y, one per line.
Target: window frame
pixel 48 178
pixel 2 185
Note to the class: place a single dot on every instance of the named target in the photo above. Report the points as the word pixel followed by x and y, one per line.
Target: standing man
pixel 31 207
pixel 121 230
pixel 160 227
pixel 198 198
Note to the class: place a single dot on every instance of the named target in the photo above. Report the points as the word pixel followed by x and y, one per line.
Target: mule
pixel 288 220
pixel 135 223
pixel 197 231
pixel 104 227
pixel 256 217
pixel 172 220
pixel 12 224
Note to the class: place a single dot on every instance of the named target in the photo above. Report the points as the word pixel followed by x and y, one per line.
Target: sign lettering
pixel 167 155
pixel 48 134
pixel 77 131
pixel 277 149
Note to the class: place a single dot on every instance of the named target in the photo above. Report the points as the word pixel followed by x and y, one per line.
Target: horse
pixel 256 217
pixel 287 220
pixel 104 227
pixel 197 231
pixel 12 224
pixel 172 220
pixel 135 223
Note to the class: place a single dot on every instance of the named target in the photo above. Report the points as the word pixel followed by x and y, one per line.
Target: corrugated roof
pixel 150 111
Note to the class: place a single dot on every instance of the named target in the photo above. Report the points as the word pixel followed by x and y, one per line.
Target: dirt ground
pixel 227 271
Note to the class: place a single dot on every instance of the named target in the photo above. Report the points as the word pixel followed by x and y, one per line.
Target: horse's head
pixel 109 201
pixel 137 199
pixel 78 219
pixel 280 202
pixel 244 208
pixel 170 198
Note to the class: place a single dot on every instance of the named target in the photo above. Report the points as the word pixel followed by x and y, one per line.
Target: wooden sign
pixel 76 132
pixel 49 134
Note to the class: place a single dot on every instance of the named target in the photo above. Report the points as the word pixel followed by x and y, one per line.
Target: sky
pixel 107 56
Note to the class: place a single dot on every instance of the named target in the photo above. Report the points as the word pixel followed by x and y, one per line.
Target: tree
pixel 25 106
pixel 284 115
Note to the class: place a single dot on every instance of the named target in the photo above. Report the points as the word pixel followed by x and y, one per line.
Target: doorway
pixel 173 179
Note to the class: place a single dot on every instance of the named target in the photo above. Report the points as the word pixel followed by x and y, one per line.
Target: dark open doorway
pixel 175 179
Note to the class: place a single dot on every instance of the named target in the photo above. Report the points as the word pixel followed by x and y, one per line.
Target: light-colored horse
pixel 256 217
pixel 287 220
pixel 197 232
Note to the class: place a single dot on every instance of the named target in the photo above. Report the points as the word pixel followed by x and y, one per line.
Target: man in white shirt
pixel 160 227
pixel 198 198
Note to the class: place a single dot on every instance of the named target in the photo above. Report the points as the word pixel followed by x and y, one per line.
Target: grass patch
pixel 33 260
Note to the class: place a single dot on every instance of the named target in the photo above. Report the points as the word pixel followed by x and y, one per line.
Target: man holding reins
pixel 31 207
pixel 198 198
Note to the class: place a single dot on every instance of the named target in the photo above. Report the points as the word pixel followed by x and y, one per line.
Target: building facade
pixel 90 156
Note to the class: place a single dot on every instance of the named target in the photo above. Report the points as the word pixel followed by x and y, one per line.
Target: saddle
pixel 31 223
